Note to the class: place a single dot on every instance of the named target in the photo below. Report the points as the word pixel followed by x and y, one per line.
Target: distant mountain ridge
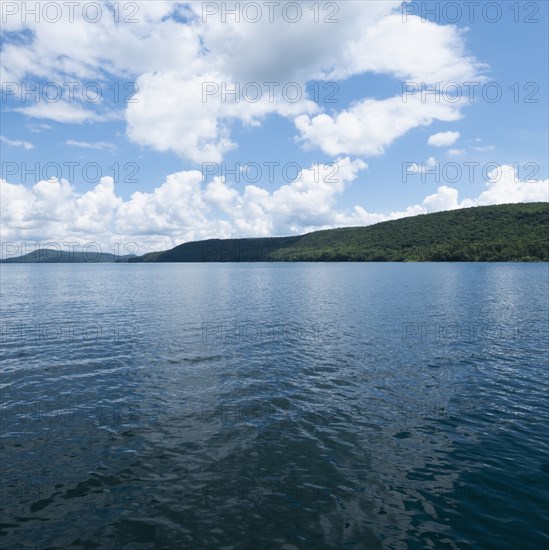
pixel 509 232
pixel 52 256
pixel 505 233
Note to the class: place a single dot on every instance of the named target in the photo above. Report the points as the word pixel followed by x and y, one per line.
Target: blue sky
pixel 351 69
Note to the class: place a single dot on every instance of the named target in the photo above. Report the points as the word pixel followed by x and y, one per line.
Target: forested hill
pixel 57 256
pixel 509 232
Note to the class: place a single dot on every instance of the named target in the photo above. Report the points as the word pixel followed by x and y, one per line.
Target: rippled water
pixel 274 406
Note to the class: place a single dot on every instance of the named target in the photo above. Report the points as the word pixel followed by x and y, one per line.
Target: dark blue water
pixel 274 406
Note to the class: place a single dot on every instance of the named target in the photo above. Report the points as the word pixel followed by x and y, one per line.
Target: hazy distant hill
pixel 510 232
pixel 51 255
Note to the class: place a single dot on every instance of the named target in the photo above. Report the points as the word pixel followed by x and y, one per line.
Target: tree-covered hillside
pixel 510 232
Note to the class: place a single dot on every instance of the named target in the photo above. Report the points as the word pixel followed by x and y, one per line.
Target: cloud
pixel 456 152
pixel 99 145
pixel 17 143
pixel 38 127
pixel 443 139
pixel 88 51
pixel 65 112
pixel 170 116
pixel 370 126
pixel 484 148
pixel 415 50
pixel 183 208
pixel 174 112
pixel 504 186
pixel 170 52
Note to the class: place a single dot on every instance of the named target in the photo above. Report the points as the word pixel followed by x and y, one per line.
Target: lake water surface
pixel 283 406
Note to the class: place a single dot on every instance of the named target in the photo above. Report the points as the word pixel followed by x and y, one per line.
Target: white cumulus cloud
pixel 443 139
pixel 170 52
pixel 16 142
pixel 370 126
pixel 183 208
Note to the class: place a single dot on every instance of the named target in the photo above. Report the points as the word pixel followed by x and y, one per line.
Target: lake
pixel 280 406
